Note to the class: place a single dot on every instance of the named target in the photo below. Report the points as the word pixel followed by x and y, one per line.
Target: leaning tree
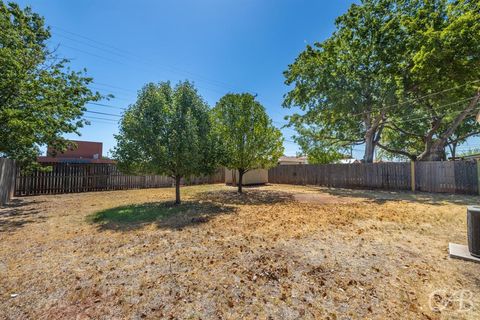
pixel 167 131
pixel 249 139
pixel 40 98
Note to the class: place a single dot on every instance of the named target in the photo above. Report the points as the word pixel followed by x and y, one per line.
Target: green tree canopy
pixel 343 84
pixel 401 75
pixel 167 131
pixel 40 98
pixel 438 78
pixel 250 141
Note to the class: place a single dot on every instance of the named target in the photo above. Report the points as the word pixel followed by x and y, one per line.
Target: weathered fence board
pixel 7 180
pixel 72 178
pixel 447 176
pixel 370 175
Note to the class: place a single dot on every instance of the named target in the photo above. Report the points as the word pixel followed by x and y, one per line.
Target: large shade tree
pixel 343 84
pixel 40 98
pixel 249 139
pixel 167 131
pixel 401 75
pixel 438 79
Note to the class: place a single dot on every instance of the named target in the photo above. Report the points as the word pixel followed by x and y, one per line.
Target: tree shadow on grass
pixel 18 213
pixel 383 196
pixel 250 196
pixel 163 214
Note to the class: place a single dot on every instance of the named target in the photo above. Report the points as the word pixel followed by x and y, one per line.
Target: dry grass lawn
pixel 277 252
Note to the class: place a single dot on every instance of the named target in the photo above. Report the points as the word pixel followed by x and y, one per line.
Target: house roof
pixel 73 160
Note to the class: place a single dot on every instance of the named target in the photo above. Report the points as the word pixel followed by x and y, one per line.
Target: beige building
pixel 292 160
pixel 252 177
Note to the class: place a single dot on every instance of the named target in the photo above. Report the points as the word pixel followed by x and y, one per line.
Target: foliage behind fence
pixel 449 177
pixel 83 177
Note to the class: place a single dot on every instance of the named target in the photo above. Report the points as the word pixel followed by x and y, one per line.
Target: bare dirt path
pixel 281 252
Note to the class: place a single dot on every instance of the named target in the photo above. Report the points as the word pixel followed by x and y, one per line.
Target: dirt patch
pixel 263 255
pixel 323 198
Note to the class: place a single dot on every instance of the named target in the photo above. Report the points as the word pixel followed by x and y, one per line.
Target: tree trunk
pixel 436 152
pixel 369 147
pixel 453 150
pixel 241 172
pixel 435 149
pixel 372 136
pixel 177 189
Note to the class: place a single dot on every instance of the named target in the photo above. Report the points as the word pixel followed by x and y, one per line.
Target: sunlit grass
pixel 162 214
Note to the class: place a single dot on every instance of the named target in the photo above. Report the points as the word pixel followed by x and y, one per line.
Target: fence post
pixel 7 180
pixel 412 175
pixel 478 175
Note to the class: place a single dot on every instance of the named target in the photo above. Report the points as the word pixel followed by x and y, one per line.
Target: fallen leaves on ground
pixel 332 254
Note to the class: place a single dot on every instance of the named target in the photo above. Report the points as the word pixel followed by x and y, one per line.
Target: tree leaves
pixel 40 98
pixel 249 139
pixel 375 80
pixel 343 83
pixel 167 131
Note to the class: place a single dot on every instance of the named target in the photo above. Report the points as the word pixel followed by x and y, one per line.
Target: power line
pixel 89 45
pixel 106 105
pixel 420 118
pixel 422 97
pixel 120 108
pixel 86 38
pixel 99 118
pixel 106 91
pixel 104 113
pixel 147 62
pixel 407 119
pixel 121 63
pixel 90 53
pixel 99 121
pixel 114 87
pixel 467 148
pixel 214 82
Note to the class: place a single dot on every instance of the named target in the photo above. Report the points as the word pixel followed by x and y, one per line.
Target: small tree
pixel 167 131
pixel 250 141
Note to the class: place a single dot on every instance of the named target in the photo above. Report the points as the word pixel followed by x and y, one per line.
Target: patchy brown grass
pixel 282 252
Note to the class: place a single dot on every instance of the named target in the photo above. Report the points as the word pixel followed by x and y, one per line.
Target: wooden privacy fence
pixel 83 177
pixel 7 179
pixel 449 177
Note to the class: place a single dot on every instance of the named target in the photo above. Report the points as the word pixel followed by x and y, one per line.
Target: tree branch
pixel 458 120
pixel 408 133
pixel 464 137
pixel 391 150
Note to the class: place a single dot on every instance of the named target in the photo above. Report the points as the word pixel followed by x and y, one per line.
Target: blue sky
pixel 223 46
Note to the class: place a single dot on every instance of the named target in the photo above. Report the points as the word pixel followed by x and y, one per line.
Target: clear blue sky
pixel 223 46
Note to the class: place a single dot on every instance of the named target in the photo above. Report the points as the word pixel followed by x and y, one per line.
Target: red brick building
pixel 85 152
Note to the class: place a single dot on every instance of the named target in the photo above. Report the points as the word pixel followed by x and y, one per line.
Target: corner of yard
pixel 276 251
